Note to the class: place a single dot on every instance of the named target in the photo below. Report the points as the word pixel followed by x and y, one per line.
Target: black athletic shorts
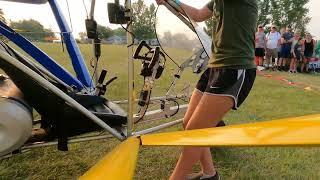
pixel 308 54
pixel 285 51
pixel 259 52
pixel 234 83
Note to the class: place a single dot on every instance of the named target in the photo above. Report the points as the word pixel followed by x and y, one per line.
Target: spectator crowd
pixel 285 50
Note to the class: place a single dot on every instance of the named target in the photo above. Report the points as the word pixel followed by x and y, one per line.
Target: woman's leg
pixel 206 157
pixel 307 64
pixel 268 58
pixel 194 101
pixel 303 63
pixel 256 60
pixel 206 162
pixel 280 64
pixel 291 65
pixel 284 63
pixel 260 61
pixel 208 113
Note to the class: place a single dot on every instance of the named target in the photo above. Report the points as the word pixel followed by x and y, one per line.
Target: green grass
pixel 268 100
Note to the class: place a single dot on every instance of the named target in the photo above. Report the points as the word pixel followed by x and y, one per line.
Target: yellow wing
pixel 299 131
pixel 120 163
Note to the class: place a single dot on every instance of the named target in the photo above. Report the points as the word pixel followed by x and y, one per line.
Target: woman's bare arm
pixel 197 15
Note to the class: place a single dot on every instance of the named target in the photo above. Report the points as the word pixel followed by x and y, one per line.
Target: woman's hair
pixel 308 36
pixel 297 31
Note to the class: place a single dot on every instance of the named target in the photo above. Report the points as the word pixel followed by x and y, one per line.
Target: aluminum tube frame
pixel 174 82
pixel 28 1
pixel 71 141
pixel 96 64
pixel 160 114
pixel 61 94
pixel 158 128
pixel 40 56
pixel 28 147
pixel 45 71
pixel 93 4
pixel 131 91
pixel 153 99
pixel 79 66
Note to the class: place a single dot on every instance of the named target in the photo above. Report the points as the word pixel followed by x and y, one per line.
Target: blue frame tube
pixel 40 56
pixel 74 52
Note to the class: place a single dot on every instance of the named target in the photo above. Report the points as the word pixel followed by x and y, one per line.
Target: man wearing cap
pixel 286 42
pixel 273 39
pixel 260 38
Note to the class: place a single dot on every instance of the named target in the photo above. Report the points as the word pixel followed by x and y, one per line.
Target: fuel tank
pixel 15 117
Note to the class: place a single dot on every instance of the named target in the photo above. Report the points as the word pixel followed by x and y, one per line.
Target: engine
pixel 15 117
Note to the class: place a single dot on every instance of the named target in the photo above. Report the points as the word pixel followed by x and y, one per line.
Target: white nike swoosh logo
pixel 214 87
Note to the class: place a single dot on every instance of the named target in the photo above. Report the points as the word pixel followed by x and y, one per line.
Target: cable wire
pixel 69 15
pixel 85 7
pixel 94 70
pixel 131 33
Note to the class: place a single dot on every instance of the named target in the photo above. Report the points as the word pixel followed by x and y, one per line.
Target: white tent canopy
pixel 28 1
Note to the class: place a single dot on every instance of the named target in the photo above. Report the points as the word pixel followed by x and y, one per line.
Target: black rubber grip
pixel 138 51
pixel 102 76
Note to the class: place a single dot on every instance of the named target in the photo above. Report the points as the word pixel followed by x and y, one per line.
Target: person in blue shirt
pixel 286 43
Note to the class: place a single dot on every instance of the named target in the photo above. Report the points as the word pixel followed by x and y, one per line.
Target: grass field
pixel 270 99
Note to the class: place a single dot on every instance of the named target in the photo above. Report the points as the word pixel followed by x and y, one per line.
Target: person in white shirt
pixel 273 39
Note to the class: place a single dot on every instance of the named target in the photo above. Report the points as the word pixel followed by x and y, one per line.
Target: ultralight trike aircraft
pixel 71 106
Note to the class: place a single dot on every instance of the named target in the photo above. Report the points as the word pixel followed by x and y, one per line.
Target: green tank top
pixel 233 39
pixel 317 50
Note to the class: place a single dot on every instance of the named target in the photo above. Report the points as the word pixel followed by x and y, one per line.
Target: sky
pixel 42 13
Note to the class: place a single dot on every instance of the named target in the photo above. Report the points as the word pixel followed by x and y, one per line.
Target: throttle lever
pixel 111 80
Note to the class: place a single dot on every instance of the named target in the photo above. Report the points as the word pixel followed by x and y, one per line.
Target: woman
pixel 296 51
pixel 309 51
pixel 317 49
pixel 227 81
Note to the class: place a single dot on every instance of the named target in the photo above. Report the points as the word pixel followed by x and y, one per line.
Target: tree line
pixel 284 12
pixel 30 29
pixel 104 33
pixel 143 24
pixel 278 12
